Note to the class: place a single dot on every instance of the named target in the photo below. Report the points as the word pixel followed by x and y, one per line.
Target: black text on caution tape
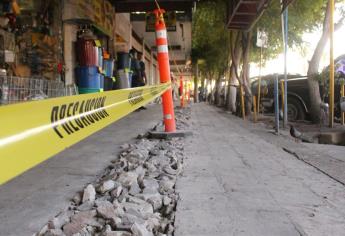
pixel 77 115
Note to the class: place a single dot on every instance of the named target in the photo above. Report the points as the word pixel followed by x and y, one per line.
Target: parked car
pixel 298 94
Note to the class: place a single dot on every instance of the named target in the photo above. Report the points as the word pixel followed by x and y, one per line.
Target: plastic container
pixel 108 67
pixel 86 53
pixel 101 77
pixel 88 77
pixel 122 80
pixel 108 83
pixel 87 90
pixel 123 60
pixel 100 57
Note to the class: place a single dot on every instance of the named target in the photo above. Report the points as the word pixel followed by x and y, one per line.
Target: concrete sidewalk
pixel 30 200
pixel 237 182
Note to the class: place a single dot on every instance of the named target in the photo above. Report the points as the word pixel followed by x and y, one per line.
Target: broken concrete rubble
pixel 89 193
pixel 135 195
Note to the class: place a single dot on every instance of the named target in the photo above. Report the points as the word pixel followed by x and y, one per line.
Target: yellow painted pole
pixel 282 94
pixel 255 115
pixel 331 66
pixel 342 94
pixel 259 84
pixel 242 102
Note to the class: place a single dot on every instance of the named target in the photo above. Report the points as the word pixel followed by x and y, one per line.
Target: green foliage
pixel 210 36
pixel 304 16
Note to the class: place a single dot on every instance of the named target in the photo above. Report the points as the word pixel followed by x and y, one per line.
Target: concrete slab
pixel 241 172
pixel 30 200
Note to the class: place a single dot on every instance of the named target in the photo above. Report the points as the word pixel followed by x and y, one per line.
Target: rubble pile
pixel 134 197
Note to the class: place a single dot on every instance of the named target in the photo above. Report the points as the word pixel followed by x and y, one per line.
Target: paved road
pixel 30 200
pixel 237 183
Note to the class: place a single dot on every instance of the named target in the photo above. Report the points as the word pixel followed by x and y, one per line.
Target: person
pixel 142 69
pixel 137 79
pixel 138 70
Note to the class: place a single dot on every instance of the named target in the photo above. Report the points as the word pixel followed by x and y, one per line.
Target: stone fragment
pixel 54 232
pixel 166 200
pixel 150 167
pixel 89 193
pixel 135 189
pixel 117 191
pixel 125 146
pixel 58 221
pixel 140 230
pixel 127 178
pixel 72 228
pixel 156 201
pixel 102 202
pixel 106 186
pixel 153 223
pixel 86 206
pixel 117 233
pixel 140 172
pixel 150 186
pixel 79 221
pixel 77 198
pixel 43 230
pixel 170 171
pixel 106 210
pixel 123 195
pixel 166 186
pixel 142 210
pixel 85 218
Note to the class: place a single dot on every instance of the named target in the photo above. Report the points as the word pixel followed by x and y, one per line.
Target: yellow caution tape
pixel 32 132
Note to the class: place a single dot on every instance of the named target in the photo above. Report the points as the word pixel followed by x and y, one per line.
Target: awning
pixel 242 14
pixel 123 6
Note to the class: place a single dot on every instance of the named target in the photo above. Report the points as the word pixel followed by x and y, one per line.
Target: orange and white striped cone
pixel 164 71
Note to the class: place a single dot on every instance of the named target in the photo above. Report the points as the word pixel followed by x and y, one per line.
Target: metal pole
pixel 276 103
pixel 255 113
pixel 342 94
pixel 259 84
pixel 331 66
pixel 285 66
pixel 242 102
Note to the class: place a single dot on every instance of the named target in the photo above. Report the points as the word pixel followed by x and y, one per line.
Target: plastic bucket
pixel 88 77
pixel 101 81
pixel 122 80
pixel 108 67
pixel 86 53
pixel 123 60
pixel 108 83
pixel 100 57
pixel 88 90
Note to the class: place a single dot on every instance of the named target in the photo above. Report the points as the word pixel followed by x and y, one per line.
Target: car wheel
pixel 295 109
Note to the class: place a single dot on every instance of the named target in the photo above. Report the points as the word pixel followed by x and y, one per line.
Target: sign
pixel 169 19
pixel 261 39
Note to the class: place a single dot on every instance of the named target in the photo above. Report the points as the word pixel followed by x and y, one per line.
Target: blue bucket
pixel 102 81
pixel 88 77
pixel 108 67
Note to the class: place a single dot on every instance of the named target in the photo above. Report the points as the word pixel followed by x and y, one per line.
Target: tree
pixel 211 41
pixel 314 63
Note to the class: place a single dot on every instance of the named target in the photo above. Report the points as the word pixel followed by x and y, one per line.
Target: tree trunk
pixel 203 82
pixel 246 43
pixel 196 79
pixel 313 69
pixel 235 60
pixel 217 93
